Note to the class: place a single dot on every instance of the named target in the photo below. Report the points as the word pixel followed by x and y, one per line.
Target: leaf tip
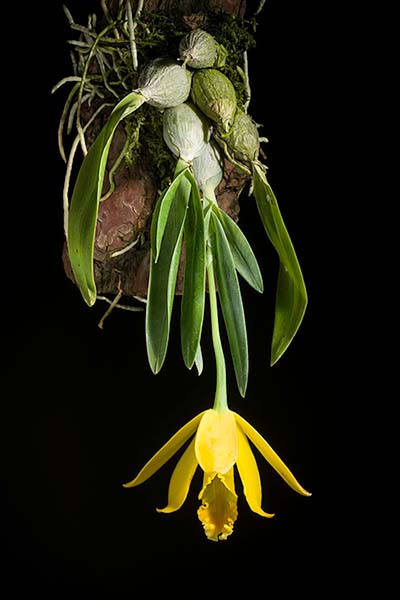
pixel 243 388
pixel 155 367
pixel 276 355
pixel 90 297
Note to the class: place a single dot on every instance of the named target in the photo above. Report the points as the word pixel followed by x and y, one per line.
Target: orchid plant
pixel 203 124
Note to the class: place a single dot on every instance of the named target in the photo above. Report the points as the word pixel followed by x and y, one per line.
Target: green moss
pixel 158 34
pixel 233 33
pixel 133 126
pixel 145 142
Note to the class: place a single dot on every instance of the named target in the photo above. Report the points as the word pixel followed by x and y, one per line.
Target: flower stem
pixel 220 401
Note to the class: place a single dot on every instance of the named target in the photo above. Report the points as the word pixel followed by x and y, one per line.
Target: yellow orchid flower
pixel 220 442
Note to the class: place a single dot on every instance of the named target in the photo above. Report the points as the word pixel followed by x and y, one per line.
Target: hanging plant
pixel 161 115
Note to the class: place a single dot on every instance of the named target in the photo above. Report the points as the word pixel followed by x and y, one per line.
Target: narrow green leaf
pixel 207 209
pixel 291 294
pixel 162 279
pixel 243 256
pixel 165 206
pixel 194 282
pixel 231 301
pixel 86 196
pixel 199 361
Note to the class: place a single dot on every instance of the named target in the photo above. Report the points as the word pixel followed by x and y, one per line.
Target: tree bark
pixel 121 264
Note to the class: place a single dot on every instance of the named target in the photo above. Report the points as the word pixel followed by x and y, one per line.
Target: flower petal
pixel 218 511
pixel 165 453
pixel 270 455
pixel 181 480
pixel 248 471
pixel 216 441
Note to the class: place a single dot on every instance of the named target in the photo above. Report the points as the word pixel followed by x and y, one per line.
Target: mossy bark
pixel 121 251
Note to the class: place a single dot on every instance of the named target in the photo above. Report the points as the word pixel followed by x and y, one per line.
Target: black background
pixel 81 409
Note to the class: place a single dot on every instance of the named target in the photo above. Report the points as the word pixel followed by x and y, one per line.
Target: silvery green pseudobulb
pixel 215 95
pixel 185 130
pixel 198 49
pixel 243 140
pixel 164 83
pixel 208 168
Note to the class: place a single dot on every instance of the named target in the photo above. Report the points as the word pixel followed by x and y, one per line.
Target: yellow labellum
pixel 218 511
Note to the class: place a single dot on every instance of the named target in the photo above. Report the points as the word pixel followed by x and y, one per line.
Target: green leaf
pixel 243 256
pixel 194 282
pixel 86 197
pixel 162 278
pixel 199 361
pixel 291 294
pixel 165 206
pixel 231 301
